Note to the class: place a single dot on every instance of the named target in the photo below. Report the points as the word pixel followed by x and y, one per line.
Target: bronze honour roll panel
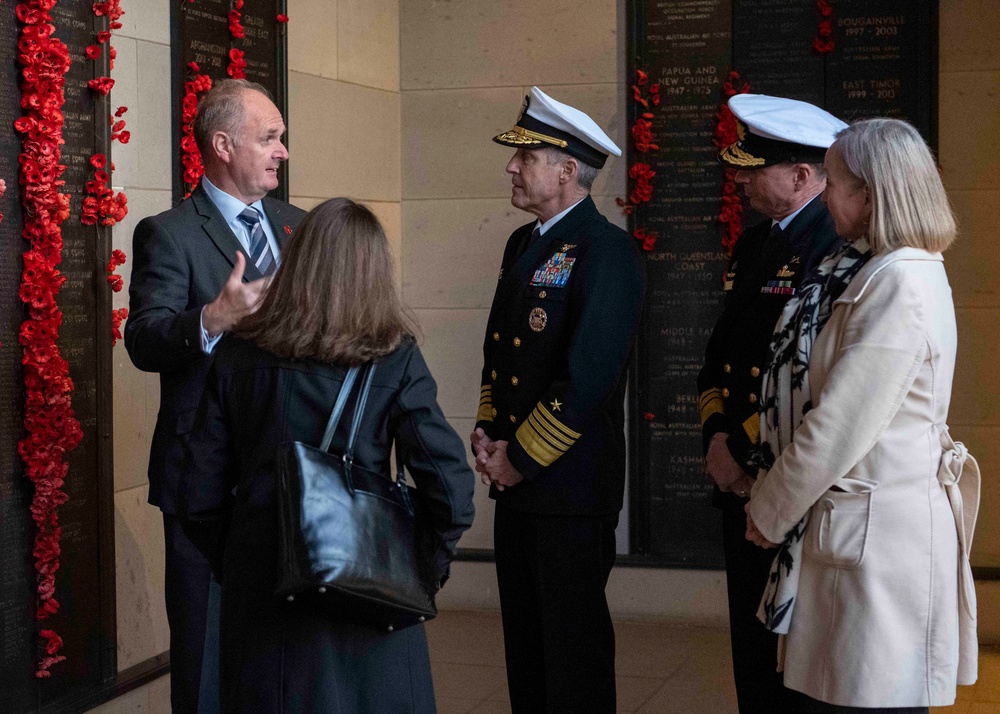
pixel 200 33
pixel 883 63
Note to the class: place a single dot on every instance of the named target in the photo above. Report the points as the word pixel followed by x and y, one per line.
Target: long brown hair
pixel 334 297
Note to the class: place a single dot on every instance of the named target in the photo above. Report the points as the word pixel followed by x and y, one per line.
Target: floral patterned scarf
pixel 786 400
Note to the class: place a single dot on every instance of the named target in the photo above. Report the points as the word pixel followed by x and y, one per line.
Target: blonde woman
pixel 333 305
pixel 861 484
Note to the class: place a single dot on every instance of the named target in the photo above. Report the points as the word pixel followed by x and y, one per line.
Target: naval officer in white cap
pixel 778 159
pixel 549 434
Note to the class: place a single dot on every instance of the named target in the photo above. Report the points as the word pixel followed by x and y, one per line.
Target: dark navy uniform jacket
pixel 558 341
pixel 763 274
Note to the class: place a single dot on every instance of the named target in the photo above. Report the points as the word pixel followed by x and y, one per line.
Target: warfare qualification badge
pixel 538 319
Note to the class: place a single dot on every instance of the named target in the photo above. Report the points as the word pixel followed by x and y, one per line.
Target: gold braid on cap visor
pixel 519 136
pixel 733 154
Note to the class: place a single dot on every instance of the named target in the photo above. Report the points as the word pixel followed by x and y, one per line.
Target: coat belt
pixel 959 473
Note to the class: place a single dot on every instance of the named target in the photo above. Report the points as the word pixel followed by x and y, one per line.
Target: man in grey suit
pixel 197 269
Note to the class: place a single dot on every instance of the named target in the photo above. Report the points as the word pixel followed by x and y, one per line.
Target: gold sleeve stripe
pixel 752 427
pixel 485 412
pixel 552 421
pixel 537 448
pixel 711 403
pixel 556 440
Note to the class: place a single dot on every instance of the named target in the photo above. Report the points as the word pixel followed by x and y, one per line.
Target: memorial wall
pixel 85 579
pixel 881 62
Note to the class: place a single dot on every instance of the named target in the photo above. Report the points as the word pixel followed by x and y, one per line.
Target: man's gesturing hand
pixel 237 300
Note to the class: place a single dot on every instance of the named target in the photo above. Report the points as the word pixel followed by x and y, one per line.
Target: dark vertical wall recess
pixel 884 64
pixel 85 582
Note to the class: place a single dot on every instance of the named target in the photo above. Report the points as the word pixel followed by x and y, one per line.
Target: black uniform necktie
pixel 527 240
pixel 260 251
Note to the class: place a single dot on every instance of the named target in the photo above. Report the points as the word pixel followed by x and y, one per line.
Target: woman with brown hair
pixel 333 305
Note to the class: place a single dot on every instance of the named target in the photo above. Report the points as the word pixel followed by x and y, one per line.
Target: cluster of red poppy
pixel 117 318
pixel 117 258
pixel 236 28
pixel 102 204
pixel 51 426
pixel 118 130
pixel 823 42
pixel 731 213
pixel 642 174
pixel 237 65
pixel 190 156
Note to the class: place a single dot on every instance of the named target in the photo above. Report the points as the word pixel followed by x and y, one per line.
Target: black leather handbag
pixel 348 541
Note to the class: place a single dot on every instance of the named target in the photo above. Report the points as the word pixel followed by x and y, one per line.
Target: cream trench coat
pixel 885 614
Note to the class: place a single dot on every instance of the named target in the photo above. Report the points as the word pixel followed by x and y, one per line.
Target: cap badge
pixel 524 108
pixel 537 320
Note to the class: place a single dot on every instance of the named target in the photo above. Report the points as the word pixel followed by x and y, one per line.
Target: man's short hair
pixel 221 109
pixel 585 174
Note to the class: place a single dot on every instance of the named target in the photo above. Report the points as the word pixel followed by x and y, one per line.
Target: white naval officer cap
pixel 543 121
pixel 773 130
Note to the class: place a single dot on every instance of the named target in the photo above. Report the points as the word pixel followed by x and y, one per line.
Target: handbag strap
pixel 338 408
pixel 359 410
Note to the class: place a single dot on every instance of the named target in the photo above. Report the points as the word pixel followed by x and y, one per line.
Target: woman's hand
pixel 754 535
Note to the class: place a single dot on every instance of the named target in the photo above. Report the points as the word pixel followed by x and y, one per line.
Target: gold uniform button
pixel 513 418
pixel 496 336
pixel 725 392
pixel 543 294
pixel 727 368
pixel 513 380
pixel 494 412
pixel 753 398
pixel 494 373
pixel 754 372
pixel 517 341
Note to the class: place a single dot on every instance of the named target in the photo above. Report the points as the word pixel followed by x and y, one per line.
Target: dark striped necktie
pixel 260 251
pixel 526 242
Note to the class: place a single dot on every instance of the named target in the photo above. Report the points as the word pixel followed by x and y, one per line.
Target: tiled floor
pixel 662 669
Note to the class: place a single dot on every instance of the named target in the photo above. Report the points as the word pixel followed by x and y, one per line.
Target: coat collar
pixel 879 263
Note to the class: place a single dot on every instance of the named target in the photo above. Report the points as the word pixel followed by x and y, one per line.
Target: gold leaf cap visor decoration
pixel 773 130
pixel 545 122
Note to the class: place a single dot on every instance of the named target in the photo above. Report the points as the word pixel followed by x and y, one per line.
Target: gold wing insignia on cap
pixel 519 136
pixel 524 108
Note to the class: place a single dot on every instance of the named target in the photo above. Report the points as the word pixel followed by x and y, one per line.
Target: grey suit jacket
pixel 180 261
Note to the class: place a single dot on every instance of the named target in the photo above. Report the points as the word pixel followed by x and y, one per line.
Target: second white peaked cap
pixel 544 120
pixel 775 129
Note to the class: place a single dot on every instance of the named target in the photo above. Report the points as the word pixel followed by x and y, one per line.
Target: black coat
pixel 762 276
pixel 554 364
pixel 280 657
pixel 181 258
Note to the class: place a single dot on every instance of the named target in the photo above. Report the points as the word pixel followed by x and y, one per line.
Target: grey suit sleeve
pixel 162 331
pixel 436 458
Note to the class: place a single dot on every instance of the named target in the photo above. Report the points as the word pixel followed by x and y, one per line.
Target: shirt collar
pixel 542 227
pixel 791 216
pixel 229 206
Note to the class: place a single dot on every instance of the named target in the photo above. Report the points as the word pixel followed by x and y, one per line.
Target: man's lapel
pixel 274 210
pixel 221 234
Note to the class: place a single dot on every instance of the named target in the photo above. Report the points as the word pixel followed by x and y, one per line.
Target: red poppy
pixel 121 111
pixel 288 230
pixel 282 18
pixel 93 51
pixel 101 85
pixel 103 37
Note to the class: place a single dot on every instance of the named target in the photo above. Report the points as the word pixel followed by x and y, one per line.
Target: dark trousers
pixel 759 688
pixel 192 600
pixel 559 640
